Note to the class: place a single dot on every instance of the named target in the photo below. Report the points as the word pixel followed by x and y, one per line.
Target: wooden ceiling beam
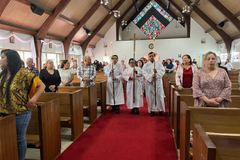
pixel 218 5
pixel 186 17
pixel 100 25
pixel 26 2
pixel 51 19
pixel 3 5
pixel 128 9
pixel 20 29
pixel 14 28
pixel 166 9
pixel 91 46
pixel 80 24
pixel 48 12
pixel 144 4
pixel 119 21
pixel 100 35
pixel 225 21
pixel 226 38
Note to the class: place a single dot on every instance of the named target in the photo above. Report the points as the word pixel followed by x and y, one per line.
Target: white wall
pixel 167 48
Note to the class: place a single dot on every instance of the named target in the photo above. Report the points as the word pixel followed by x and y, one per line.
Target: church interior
pixel 119 79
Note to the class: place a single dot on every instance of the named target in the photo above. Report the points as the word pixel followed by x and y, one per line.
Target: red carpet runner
pixel 124 137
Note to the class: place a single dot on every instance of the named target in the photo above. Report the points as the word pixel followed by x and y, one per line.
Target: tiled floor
pixel 34 154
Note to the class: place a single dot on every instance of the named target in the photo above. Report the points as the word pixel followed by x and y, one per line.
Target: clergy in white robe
pixel 115 96
pixel 140 64
pixel 130 78
pixel 151 76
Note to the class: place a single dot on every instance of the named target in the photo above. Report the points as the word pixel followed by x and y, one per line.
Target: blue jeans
pixel 22 121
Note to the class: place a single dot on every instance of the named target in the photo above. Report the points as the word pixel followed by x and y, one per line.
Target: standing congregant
pixel 114 84
pixel 153 72
pixel 87 73
pixel 31 67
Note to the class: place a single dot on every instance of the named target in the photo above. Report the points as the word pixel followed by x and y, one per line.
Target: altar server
pixel 132 75
pixel 115 96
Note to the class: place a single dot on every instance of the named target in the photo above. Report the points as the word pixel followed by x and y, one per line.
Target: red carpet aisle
pixel 124 137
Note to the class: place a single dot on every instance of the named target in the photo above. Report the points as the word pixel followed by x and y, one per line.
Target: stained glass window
pixel 152 20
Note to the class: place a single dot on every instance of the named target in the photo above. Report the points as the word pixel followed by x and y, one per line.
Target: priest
pixel 153 72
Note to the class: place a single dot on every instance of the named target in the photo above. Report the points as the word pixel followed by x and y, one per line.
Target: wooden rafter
pixel 100 25
pixel 235 21
pixel 14 28
pixel 166 9
pixel 48 12
pixel 226 38
pixel 186 17
pixel 119 21
pixel 80 24
pixel 225 21
pixel 145 3
pixel 50 20
pixel 3 5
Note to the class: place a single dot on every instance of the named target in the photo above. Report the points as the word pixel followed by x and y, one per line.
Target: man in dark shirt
pixel 31 67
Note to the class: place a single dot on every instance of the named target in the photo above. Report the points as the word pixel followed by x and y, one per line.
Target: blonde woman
pixel 211 85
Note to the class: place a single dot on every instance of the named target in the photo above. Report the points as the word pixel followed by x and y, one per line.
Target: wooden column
pixel 85 18
pixel 38 47
pixel 226 38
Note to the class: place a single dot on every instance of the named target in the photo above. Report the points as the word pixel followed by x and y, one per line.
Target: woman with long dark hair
pixel 185 72
pixel 19 92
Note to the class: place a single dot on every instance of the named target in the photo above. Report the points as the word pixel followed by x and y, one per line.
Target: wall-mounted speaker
pixel 221 24
pixel 37 10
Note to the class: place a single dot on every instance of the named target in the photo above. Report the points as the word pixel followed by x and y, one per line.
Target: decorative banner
pixel 152 20
pixel 152 28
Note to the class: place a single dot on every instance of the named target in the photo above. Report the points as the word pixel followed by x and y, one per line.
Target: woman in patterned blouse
pixel 19 92
pixel 211 85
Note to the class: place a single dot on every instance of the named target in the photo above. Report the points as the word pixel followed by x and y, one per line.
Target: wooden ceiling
pixel 65 20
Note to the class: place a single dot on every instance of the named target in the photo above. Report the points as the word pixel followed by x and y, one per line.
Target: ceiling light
pixel 104 2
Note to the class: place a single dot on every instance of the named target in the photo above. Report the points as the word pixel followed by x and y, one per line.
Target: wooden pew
pixel 71 110
pixel 221 120
pixel 235 85
pixel 89 96
pixel 99 77
pixel 187 91
pixel 203 147
pixel 234 81
pixel 179 96
pixel 168 80
pixel 101 94
pixel 233 77
pixel 186 96
pixel 44 128
pixel 215 146
pixel 8 138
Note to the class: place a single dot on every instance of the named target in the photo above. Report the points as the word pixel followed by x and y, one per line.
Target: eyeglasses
pixel 114 58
